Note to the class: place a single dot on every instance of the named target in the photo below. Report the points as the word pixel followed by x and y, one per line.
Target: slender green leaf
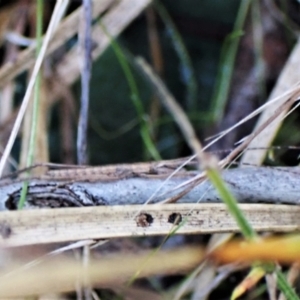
pixel 135 97
pixel 32 141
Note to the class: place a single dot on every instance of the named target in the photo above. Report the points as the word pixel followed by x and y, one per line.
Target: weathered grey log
pixel 249 185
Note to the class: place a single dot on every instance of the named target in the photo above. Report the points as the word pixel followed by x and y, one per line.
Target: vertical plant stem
pixel 158 64
pixel 258 47
pixel 135 97
pixel 188 73
pixel 86 49
pixel 35 110
pixel 58 12
pixel 227 61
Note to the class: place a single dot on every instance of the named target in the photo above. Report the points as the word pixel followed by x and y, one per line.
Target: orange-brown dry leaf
pixel 284 249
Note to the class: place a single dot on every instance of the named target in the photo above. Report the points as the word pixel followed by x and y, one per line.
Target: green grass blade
pixel 285 287
pixel 231 203
pixel 135 97
pixel 185 60
pixel 228 55
pixel 32 141
pixel 247 230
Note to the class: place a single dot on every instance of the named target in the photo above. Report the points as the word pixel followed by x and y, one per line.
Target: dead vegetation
pixel 49 46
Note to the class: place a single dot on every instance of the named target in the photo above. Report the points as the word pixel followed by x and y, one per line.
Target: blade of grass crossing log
pixel 231 203
pixel 248 231
pixel 32 142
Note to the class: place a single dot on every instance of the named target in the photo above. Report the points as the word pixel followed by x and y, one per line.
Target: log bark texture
pixel 249 185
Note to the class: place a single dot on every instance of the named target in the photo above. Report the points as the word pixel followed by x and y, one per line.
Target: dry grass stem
pixel 60 275
pixel 114 21
pixel 65 31
pixel 19 228
pixel 59 8
pixel 289 77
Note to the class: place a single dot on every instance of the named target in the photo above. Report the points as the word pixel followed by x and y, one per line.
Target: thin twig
pixel 86 50
pixel 276 115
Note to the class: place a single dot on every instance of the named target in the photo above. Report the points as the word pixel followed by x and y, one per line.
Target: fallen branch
pixel 248 185
pixel 123 214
